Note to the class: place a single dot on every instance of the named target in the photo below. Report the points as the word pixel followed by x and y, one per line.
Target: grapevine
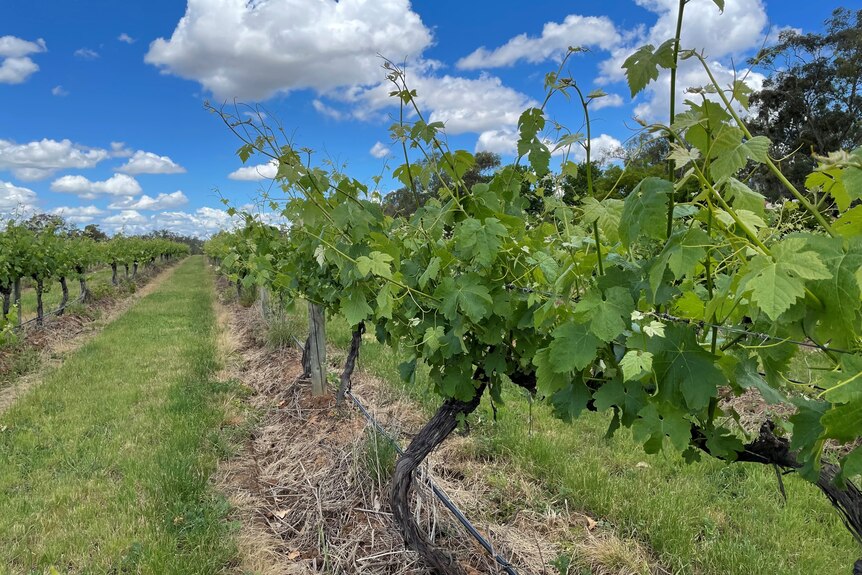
pixel 648 308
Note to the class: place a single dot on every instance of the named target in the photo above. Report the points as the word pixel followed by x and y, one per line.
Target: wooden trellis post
pixel 317 335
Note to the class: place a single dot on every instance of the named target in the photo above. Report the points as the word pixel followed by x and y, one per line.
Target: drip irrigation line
pixel 462 519
pixel 703 324
pixel 21 326
pixel 505 565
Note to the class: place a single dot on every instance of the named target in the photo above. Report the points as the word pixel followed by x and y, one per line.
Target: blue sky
pixel 103 119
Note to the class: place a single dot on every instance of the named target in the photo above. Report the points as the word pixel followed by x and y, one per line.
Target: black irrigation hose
pixel 21 326
pixel 505 565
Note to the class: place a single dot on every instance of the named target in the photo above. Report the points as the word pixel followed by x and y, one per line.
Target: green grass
pixel 704 518
pixel 104 466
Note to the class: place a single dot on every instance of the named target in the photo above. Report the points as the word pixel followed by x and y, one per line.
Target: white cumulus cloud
pixel 126 38
pixel 124 219
pixel 740 29
pixel 574 30
pixel 379 150
pixel 119 150
pixel 86 54
pixel 40 159
pixel 255 173
pixel 253 49
pixel 80 215
pixel 16 66
pixel 145 202
pixel 505 142
pixel 116 185
pixel 462 104
pixel 609 101
pixel 149 163
pixel 59 91
pixel 15 200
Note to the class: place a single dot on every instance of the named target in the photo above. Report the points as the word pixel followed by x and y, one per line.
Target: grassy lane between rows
pixel 706 518
pixel 104 466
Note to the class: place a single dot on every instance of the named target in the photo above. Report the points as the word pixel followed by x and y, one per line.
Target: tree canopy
pixel 811 102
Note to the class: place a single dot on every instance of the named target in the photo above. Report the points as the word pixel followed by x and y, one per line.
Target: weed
pixel 378 456
pixel 281 331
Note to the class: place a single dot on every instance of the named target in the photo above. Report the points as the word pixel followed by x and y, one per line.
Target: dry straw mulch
pixel 312 496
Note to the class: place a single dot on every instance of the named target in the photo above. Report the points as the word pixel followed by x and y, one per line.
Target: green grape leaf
pixel 842 421
pixel 652 426
pixel 851 464
pixel 741 91
pixel 840 294
pixel 606 314
pixel 830 182
pixel 723 444
pixel 479 241
pixel 681 365
pixel 354 307
pixel 733 158
pixel 606 214
pixel 573 347
pixel 846 385
pixel 748 377
pixel 548 381
pixel 385 301
pixel 570 401
pixel 776 283
pixel 465 294
pixel 744 198
pixel 630 397
pixel 807 432
pixel 682 155
pixel 531 122
pixel 377 263
pixel 407 370
pixel 645 210
pixel 642 66
pixel 682 253
pixel 851 177
pixel 636 363
pixel 432 338
pixel 430 272
pixel 849 224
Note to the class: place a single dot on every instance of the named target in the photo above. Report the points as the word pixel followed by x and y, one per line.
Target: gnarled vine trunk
pixel 306 359
pixel 429 437
pixel 82 279
pixel 350 362
pixel 126 266
pixel 114 273
pixel 134 270
pixel 6 290
pixel 65 299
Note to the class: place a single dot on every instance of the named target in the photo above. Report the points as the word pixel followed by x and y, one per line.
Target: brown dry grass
pixel 309 502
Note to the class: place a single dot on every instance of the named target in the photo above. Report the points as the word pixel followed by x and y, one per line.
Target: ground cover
pixel 104 466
